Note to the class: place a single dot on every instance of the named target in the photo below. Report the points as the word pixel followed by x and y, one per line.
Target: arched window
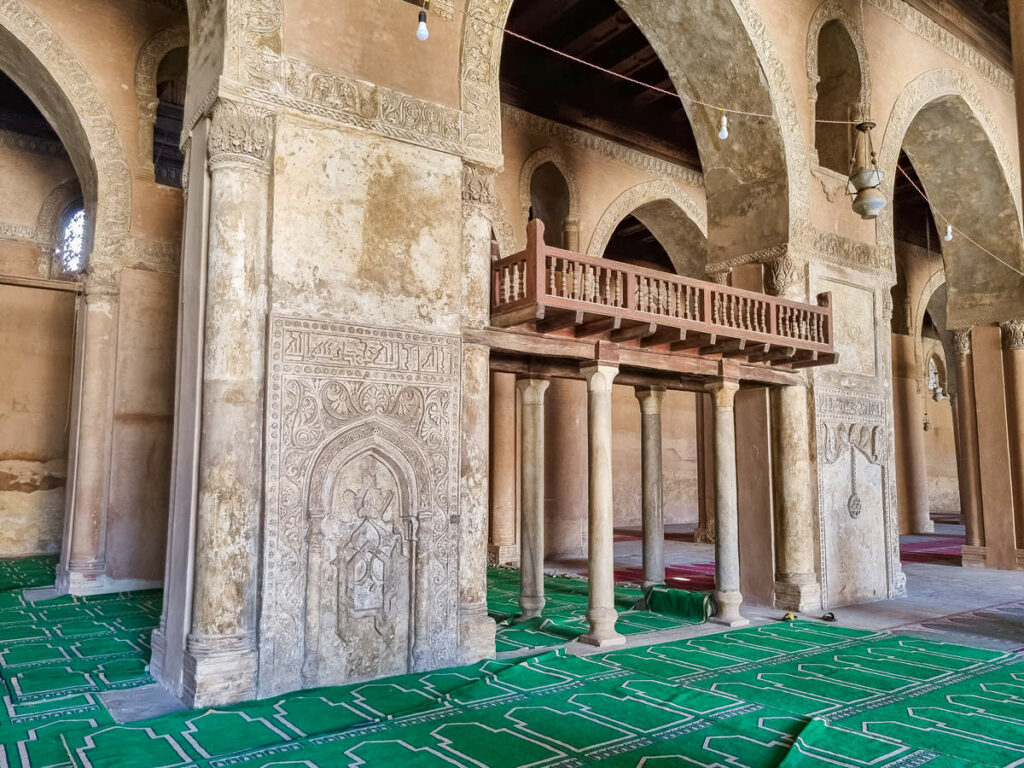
pixel 549 202
pixel 70 250
pixel 838 97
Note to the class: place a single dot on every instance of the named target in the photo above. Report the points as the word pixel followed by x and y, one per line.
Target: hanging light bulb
pixel 422 33
pixel 723 127
pixel 865 178
pixel 949 233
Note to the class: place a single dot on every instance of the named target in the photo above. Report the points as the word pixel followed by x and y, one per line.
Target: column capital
pixel 723 392
pixel 962 342
pixel 599 376
pixel 241 134
pixel 532 390
pixel 1012 334
pixel 650 399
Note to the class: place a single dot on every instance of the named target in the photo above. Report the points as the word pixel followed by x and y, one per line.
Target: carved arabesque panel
pixel 360 562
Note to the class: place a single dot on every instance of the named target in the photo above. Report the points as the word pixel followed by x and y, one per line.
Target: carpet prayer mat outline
pixel 55 657
pixel 26 572
pixel 564 616
pixel 798 694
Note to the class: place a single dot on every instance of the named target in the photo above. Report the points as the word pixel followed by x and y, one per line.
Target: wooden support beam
pixel 559 321
pixel 664 335
pixel 771 355
pixel 595 327
pixel 747 350
pixel 692 340
pixel 727 348
pixel 637 331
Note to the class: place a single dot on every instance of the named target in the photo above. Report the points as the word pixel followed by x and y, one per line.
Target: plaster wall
pixel 36 348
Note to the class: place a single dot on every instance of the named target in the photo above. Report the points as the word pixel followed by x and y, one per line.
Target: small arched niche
pixel 171 79
pixel 549 202
pixel 838 97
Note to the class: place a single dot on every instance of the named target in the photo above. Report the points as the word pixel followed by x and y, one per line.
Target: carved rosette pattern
pixel 110 190
pixel 636 196
pixel 851 422
pixel 1012 334
pixel 331 387
pixel 240 134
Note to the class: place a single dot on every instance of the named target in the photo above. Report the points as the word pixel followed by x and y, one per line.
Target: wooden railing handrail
pixel 532 282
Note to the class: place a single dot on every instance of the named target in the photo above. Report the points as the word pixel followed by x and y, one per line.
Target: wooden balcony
pixel 560 293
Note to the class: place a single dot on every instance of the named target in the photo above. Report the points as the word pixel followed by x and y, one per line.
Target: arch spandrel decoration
pixel 768 154
pixel 371 411
pixel 43 66
pixel 929 89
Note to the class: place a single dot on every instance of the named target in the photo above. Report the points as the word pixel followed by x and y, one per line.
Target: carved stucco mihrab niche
pixel 361 531
pixel 857 522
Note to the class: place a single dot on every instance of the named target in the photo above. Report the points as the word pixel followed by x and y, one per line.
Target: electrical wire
pixel 633 80
pixel 963 234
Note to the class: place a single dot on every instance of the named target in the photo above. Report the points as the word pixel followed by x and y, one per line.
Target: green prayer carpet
pixel 26 572
pixel 564 616
pixel 786 694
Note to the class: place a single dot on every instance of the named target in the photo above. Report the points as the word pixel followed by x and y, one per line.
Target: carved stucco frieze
pixel 594 143
pixel 20 142
pixel 240 134
pixel 361 527
pixel 1012 334
pixel 954 46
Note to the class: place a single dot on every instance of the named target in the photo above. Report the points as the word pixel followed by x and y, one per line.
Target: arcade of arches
pixel 311 334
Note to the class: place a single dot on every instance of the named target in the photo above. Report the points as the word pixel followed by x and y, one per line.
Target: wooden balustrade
pixel 558 290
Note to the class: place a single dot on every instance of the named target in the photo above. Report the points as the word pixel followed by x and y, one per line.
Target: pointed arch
pixel 969 177
pixel 833 10
pixel 42 65
pixel 752 166
pixel 146 66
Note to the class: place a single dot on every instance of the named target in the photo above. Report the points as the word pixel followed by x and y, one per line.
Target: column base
pixel 924 528
pixel 219 669
pixel 531 608
pixel 973 557
pixel 729 610
pixel 503 554
pixel 798 594
pixel 476 634
pixel 602 628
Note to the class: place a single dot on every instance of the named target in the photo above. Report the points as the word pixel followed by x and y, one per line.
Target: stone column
pixel 794 478
pixel 796 583
pixel 727 547
pixel 221 657
pixel 1013 376
pixel 82 563
pixel 476 628
pixel 601 611
pixel 967 419
pixel 652 516
pixel 704 533
pixel 531 569
pixel 503 545
pixel 912 467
